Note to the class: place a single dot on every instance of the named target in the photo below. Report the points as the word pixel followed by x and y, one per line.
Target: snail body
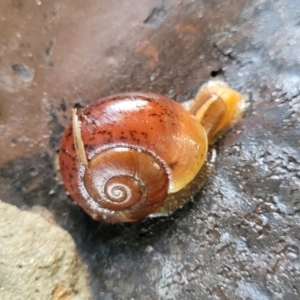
pixel 124 154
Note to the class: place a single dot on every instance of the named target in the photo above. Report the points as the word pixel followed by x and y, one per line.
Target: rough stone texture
pixel 239 238
pixel 38 260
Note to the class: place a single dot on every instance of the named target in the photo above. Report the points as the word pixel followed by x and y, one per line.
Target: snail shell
pixel 123 155
pixel 139 147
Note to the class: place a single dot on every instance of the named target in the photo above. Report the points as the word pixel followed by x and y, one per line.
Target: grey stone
pixel 38 259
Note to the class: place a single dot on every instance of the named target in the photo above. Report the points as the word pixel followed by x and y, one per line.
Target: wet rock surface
pixel 239 238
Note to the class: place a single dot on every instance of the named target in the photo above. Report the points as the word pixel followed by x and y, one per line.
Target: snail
pixel 123 155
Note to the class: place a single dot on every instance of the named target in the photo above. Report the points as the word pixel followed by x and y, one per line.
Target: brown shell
pixel 151 124
pixel 126 183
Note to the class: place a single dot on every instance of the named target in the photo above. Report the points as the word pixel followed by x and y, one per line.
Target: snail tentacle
pixel 217 106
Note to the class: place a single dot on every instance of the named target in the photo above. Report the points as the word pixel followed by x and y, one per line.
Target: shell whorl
pixel 130 184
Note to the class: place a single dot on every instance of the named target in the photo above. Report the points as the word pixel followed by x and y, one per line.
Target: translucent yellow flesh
pixel 190 156
pixel 233 100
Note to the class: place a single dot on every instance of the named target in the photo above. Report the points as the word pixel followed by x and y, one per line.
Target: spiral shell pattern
pixel 128 184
